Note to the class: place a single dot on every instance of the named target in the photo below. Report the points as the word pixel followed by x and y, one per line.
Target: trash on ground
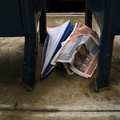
pixel 75 46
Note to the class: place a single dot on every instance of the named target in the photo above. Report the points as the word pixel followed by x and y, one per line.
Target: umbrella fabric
pixel 52 44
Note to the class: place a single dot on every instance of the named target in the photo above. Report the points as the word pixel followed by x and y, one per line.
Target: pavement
pixel 58 96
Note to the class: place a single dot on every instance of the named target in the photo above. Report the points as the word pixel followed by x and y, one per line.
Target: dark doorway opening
pixel 65 6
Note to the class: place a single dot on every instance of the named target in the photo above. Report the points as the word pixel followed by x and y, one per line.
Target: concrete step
pixel 52 115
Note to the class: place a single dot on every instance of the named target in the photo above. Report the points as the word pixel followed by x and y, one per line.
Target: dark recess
pixel 65 6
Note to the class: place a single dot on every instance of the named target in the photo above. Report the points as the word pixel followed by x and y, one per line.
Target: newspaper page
pixel 79 53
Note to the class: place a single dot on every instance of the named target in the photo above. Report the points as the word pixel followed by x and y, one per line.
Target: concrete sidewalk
pixel 59 96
